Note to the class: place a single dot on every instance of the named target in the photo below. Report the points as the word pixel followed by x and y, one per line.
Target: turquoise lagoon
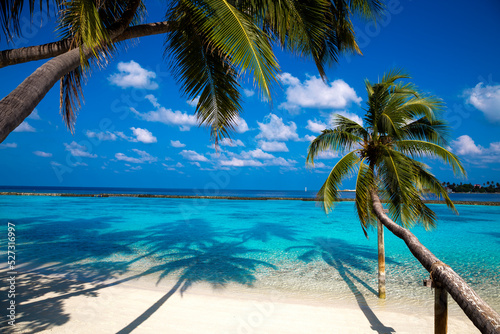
pixel 284 245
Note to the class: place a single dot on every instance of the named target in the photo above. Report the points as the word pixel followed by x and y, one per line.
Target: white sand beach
pixel 56 305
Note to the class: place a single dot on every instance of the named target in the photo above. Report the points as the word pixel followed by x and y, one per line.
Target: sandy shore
pixel 51 304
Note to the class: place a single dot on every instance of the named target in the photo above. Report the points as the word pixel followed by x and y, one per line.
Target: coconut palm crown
pixel 401 124
pixel 209 44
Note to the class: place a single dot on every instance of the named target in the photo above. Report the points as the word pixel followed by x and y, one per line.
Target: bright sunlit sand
pixel 139 306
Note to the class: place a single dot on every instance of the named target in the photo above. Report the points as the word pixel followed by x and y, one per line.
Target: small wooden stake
pixel 381 261
pixel 440 310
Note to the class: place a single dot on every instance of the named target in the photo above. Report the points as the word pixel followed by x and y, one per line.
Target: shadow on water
pixel 343 256
pixel 84 256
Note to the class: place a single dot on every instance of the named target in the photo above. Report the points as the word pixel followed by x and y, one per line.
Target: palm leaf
pixel 365 182
pixel 71 95
pixel 329 192
pixel 331 140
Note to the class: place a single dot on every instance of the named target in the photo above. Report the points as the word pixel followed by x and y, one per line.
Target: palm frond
pixel 342 123
pixel 331 140
pixel 329 192
pixel 435 131
pixel 71 96
pixel 424 148
pixel 203 70
pixel 365 182
pixel 234 33
pixel 80 21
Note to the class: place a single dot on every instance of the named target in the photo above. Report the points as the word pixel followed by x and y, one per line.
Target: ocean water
pixel 289 246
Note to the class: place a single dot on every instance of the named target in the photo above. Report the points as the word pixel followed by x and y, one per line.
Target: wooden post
pixel 381 261
pixel 440 310
pixel 440 306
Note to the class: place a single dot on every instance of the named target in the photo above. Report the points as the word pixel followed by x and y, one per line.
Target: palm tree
pixel 209 45
pixel 401 124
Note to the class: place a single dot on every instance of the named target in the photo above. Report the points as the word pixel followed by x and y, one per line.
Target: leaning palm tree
pixel 209 45
pixel 401 125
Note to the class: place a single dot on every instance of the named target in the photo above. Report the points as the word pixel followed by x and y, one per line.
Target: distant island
pixel 487 187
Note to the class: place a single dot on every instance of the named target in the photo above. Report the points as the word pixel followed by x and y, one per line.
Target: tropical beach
pixel 221 166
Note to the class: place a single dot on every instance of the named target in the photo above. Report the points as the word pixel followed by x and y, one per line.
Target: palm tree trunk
pixel 19 104
pixel 381 261
pixel 480 313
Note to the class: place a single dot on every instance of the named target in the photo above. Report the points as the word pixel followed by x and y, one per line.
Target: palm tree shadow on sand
pixel 342 256
pixel 217 264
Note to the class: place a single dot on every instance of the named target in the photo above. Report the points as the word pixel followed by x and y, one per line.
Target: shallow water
pixel 284 245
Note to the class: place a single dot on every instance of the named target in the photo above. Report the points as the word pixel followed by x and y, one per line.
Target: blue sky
pixel 137 130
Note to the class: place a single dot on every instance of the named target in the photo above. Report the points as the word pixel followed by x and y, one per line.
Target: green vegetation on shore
pixel 487 187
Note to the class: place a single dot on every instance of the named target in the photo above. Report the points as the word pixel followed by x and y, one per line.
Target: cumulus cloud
pixel 42 154
pixel 131 74
pixel 142 157
pixel 273 146
pixel 350 115
pixel 327 155
pixel 169 117
pixel 8 145
pixel 143 135
pixel 235 162
pixel 256 154
pixel 34 115
pixel 486 99
pixel 154 101
pixel 176 143
pixel 241 125
pixel 248 92
pixel 476 154
pixel 231 142
pixel 464 145
pixel 24 127
pixel 309 138
pixel 276 130
pixel 193 156
pixel 316 126
pixel 78 150
pixel 314 93
pixel 102 136
pixel 194 102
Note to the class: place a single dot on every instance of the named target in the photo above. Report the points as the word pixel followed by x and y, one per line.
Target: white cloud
pixel 143 135
pixel 464 145
pixel 131 74
pixel 194 102
pixel 314 93
pixel 350 115
pixel 176 143
pixel 77 150
pixel 231 142
pixel 143 157
pixel 42 154
pixel 273 146
pixel 327 155
pixel 24 127
pixel 316 126
pixel 248 92
pixel 192 156
pixel 102 136
pixel 154 101
pixel 235 162
pixel 309 137
pixel 8 145
pixel 320 165
pixel 486 99
pixel 256 154
pixel 281 162
pixel 34 115
pixel 195 163
pixel 170 117
pixel 241 125
pixel 276 130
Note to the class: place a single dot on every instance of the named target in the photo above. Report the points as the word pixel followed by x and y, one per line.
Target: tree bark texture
pixel 486 319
